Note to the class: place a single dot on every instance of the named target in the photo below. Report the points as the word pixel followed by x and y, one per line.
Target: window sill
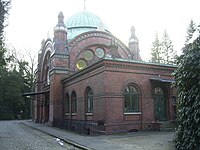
pixel 68 114
pixel 132 113
pixel 89 114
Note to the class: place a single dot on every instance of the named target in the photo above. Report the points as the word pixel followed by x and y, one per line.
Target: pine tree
pixel 187 80
pixel 190 30
pixel 156 50
pixel 4 7
pixel 168 53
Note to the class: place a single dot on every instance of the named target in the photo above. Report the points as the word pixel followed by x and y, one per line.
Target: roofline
pixel 141 62
pixel 101 63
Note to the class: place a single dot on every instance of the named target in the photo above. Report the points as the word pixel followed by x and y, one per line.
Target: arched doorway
pixel 160 104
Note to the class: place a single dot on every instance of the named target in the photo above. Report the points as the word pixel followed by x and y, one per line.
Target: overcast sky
pixel 30 21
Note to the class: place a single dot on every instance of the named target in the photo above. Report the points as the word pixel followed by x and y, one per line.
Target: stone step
pixel 167 126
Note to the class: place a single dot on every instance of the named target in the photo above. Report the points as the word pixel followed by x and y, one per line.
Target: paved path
pixel 16 136
pixel 136 141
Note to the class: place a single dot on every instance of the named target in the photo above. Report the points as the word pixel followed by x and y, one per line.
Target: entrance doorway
pixel 160 104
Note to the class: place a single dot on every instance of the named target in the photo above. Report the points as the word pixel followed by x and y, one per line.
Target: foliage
pixel 156 50
pixel 169 54
pixel 4 7
pixel 10 93
pixel 13 83
pixel 163 51
pixel 187 77
pixel 190 30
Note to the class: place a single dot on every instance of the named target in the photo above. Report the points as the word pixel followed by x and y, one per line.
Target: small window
pixel 89 100
pixel 131 99
pixel 88 55
pixel 81 64
pixel 158 90
pixel 100 52
pixel 74 102
pixel 67 103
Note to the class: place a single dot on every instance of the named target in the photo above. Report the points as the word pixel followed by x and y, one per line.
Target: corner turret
pixel 60 33
pixel 134 46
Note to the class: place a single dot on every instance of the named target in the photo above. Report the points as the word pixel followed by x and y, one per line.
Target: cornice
pixel 59 70
pixel 117 66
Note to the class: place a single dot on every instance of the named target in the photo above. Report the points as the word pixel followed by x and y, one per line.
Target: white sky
pixel 30 21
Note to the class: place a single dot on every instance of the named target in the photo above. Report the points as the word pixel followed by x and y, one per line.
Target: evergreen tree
pixel 187 77
pixel 13 83
pixel 156 50
pixel 168 53
pixel 190 30
pixel 4 7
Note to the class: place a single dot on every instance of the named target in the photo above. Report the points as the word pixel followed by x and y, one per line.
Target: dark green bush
pixel 187 77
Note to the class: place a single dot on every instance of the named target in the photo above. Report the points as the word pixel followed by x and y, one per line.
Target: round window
pixel 81 64
pixel 99 52
pixel 88 55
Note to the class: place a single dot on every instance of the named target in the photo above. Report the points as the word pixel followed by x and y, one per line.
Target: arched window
pixel 74 102
pixel 89 100
pixel 158 90
pixel 131 99
pixel 47 75
pixel 67 103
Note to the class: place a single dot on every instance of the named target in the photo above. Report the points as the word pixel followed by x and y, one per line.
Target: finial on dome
pixel 133 36
pixel 60 18
pixel 132 30
pixel 60 23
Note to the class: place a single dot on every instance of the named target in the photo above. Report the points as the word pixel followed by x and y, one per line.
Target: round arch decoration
pixel 87 39
pixel 135 83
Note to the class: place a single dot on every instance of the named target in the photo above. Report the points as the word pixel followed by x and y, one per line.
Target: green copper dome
pixel 83 22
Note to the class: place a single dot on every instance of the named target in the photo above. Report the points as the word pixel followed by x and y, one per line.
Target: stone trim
pixel 100 34
pixel 89 114
pixel 57 55
pixel 107 65
pixel 73 114
pixel 137 66
pixel 132 113
pixel 59 70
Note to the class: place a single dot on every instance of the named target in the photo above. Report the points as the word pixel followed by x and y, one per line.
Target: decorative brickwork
pixel 122 86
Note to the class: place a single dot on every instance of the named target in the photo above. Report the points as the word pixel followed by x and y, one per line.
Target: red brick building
pixel 89 81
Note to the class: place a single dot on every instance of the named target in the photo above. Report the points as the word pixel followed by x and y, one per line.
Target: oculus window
pixel 100 52
pixel 131 99
pixel 88 55
pixel 81 64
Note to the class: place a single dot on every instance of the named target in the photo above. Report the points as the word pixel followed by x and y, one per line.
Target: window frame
pixel 89 96
pixel 131 100
pixel 73 103
pixel 67 103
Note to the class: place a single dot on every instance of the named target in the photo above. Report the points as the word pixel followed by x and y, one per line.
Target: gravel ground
pixel 16 136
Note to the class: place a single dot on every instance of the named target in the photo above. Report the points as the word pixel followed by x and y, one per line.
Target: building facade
pixel 88 81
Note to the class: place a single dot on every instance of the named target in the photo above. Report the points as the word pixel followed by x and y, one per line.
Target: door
pixel 159 104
